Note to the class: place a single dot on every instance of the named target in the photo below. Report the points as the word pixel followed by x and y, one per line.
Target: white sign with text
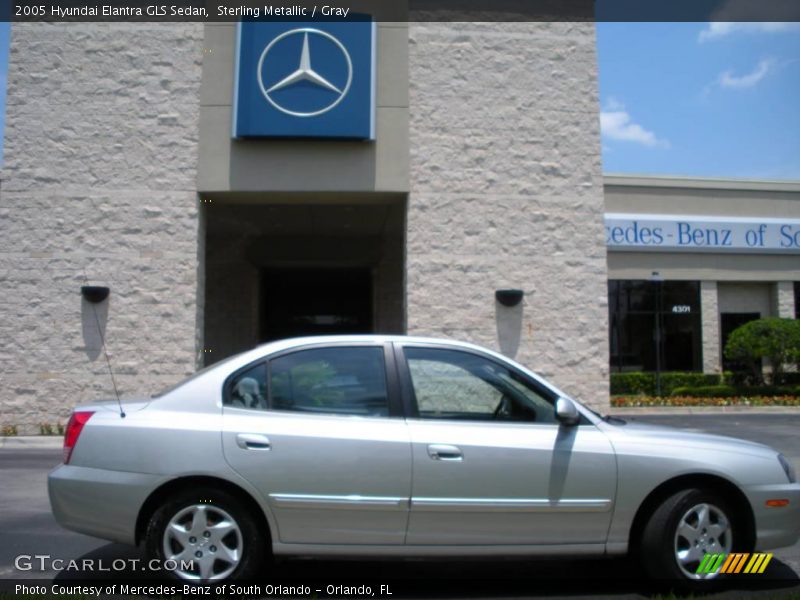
pixel 702 234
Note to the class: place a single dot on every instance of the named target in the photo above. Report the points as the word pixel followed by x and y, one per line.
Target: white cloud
pixel 617 124
pixel 729 80
pixel 720 29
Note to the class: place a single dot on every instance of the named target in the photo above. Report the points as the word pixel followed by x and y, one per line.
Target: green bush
pixel 677 383
pixel 706 391
pixel 774 339
pixel 639 383
pixel 770 390
pixel 633 383
pixel 730 391
pixel 8 430
pixel 792 378
pixel 670 381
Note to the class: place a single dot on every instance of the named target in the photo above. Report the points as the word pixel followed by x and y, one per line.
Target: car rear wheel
pixel 681 531
pixel 205 534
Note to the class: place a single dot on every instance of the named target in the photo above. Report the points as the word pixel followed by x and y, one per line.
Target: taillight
pixel 74 427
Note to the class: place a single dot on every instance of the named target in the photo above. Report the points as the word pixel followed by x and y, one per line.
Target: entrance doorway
pixel 300 266
pixel 314 301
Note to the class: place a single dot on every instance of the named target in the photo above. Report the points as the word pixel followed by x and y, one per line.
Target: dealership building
pixel 690 260
pixel 233 185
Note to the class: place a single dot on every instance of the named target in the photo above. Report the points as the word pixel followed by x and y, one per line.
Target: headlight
pixel 788 469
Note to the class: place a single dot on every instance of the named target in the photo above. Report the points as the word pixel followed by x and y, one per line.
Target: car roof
pixel 363 338
pixel 289 343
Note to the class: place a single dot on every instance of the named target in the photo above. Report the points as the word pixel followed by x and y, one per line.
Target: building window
pixel 654 325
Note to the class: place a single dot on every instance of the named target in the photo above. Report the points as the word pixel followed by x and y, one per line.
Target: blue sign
pixel 305 80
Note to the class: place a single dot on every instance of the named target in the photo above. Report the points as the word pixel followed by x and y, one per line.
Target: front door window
pixel 459 385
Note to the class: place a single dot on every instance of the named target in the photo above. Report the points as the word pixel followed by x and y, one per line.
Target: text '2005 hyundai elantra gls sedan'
pixel 401 446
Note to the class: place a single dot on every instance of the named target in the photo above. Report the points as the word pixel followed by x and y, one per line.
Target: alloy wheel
pixel 204 541
pixel 703 529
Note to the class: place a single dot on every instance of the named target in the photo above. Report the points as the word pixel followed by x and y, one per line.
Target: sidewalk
pixel 32 442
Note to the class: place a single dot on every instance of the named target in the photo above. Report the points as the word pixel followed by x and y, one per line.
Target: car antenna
pixel 105 351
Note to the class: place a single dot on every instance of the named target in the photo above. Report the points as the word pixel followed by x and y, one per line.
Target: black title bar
pixel 399 11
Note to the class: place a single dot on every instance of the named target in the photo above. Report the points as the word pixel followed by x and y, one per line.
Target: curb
pixel 704 410
pixel 31 442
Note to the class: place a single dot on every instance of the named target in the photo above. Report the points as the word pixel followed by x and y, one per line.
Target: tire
pixel 685 527
pixel 211 528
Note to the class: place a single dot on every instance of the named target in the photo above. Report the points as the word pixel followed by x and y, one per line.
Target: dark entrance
pixel 654 325
pixel 298 302
pixel 729 322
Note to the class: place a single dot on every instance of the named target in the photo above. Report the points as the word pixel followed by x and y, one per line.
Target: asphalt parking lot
pixel 28 528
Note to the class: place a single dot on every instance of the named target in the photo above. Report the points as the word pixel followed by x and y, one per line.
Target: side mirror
pixel 566 412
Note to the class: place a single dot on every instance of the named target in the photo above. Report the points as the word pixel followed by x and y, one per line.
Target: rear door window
pixel 336 380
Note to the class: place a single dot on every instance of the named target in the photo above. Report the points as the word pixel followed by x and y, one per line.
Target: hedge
pixel 645 383
pixel 706 391
pixel 791 378
pixel 729 391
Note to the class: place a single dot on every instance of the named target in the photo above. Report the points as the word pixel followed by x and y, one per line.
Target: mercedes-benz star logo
pixel 304 73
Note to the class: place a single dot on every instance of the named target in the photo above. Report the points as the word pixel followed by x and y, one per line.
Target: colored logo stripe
pixel 710 563
pixel 734 563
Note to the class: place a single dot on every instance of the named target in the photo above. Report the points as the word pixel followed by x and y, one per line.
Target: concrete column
pixel 783 299
pixel 497 190
pixel 709 318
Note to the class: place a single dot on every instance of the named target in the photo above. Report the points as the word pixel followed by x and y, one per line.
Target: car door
pixel 319 431
pixel 491 465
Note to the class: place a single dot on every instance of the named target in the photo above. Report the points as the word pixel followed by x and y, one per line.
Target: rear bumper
pixel 776 527
pixel 99 502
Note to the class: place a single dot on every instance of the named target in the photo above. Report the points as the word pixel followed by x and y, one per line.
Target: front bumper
pixel 776 527
pixel 99 502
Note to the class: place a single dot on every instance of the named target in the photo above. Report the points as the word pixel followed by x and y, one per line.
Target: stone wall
pixel 506 191
pixel 783 300
pixel 99 186
pixel 709 316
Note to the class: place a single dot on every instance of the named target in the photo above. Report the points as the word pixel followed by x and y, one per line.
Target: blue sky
pixel 702 99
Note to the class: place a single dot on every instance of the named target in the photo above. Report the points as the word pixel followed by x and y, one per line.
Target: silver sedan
pixel 401 446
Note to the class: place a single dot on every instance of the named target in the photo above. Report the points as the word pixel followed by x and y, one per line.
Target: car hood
pixel 661 435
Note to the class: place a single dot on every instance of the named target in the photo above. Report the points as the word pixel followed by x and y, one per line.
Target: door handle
pixel 252 441
pixel 445 452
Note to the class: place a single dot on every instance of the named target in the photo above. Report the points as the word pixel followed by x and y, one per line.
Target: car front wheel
pixel 682 530
pixel 205 534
